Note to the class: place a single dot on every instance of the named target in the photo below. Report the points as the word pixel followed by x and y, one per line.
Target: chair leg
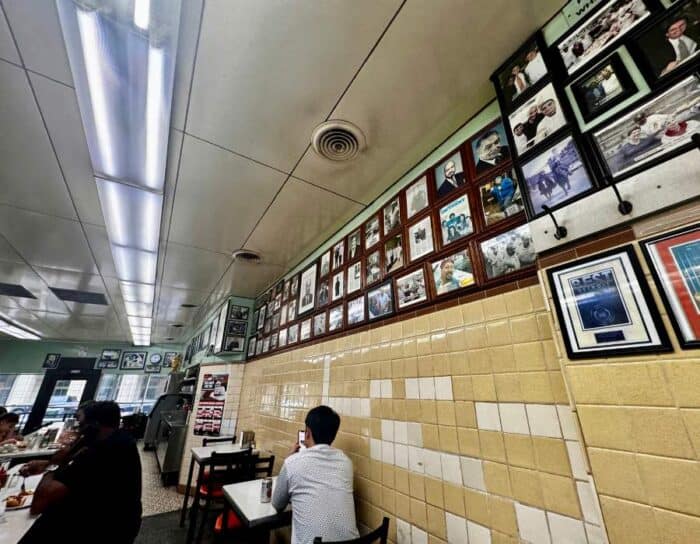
pixel 203 521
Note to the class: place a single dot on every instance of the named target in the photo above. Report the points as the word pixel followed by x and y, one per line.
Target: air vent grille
pixel 338 140
pixel 12 290
pixel 246 255
pixel 188 305
pixel 82 297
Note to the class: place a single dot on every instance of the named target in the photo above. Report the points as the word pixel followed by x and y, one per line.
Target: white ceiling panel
pixel 8 51
pixel 99 243
pixel 220 196
pixel 32 320
pixel 38 33
pixel 192 268
pixel 190 17
pixel 8 302
pixel 268 72
pixel 29 167
pixel 21 274
pixel 64 279
pixel 7 253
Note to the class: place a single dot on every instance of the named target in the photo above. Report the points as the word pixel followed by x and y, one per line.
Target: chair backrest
pixel 380 534
pixel 231 468
pixel 263 466
pixel 225 440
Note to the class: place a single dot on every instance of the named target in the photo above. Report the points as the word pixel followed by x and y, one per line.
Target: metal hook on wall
pixel 623 206
pixel 560 231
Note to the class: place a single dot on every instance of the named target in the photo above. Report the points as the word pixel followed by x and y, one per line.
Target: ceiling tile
pixel 8 51
pixel 7 253
pixel 246 279
pixel 192 268
pixel 286 65
pixel 190 16
pixel 219 197
pixel 31 320
pixel 64 279
pixel 99 243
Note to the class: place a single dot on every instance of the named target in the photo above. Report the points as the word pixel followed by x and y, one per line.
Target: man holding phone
pixel 318 481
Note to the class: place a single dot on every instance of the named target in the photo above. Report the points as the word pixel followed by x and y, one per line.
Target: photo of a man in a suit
pixel 451 176
pixel 490 150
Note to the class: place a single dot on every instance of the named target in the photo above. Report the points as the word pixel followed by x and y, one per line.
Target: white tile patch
pixel 375 389
pixel 433 466
pixel 473 473
pixel 487 416
pixel 513 418
pixel 418 536
pixel 388 430
pixel 365 408
pixel 567 421
pixel 416 460
pixel 375 449
pixel 443 388
pixel 566 530
pixel 451 469
pixel 386 390
pixel 478 534
pixel 578 464
pixel 403 532
pixel 456 529
pixel 595 534
pixel 415 435
pixel 401 455
pixel 543 420
pixel 412 389
pixel 587 500
pixel 400 432
pixel 426 388
pixel 532 524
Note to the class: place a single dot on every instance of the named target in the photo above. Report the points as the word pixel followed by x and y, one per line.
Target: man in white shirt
pixel 535 68
pixel 552 121
pixel 318 481
pixel 683 46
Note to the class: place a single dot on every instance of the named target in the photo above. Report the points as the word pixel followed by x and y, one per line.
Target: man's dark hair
pixel 676 20
pixel 487 135
pixel 105 413
pixel 12 417
pixel 323 423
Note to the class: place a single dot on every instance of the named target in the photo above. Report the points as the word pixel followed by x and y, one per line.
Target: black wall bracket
pixel 560 231
pixel 623 206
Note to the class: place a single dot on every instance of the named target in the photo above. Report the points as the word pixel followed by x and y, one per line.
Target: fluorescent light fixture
pixel 135 264
pixel 155 122
pixel 137 292
pixel 139 309
pixel 139 321
pixel 142 13
pixel 13 330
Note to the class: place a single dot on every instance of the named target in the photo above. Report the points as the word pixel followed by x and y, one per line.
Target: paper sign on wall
pixel 210 410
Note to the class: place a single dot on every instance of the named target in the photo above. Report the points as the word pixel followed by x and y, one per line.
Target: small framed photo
pixel 335 318
pixel 452 273
pixel 276 321
pixel 373 267
pixel 282 339
pixel 537 119
pixel 285 291
pixel 273 341
pixel 320 324
pixel 489 149
pixel 500 197
pixel 605 308
pixel 372 232
pixel 508 252
pixel 602 88
pixel 420 238
pixel 268 326
pixel 294 287
pixel 239 312
pixel 307 296
pixel 259 346
pixel 393 254
pixel 338 254
pixel 606 26
pixel 380 301
pixel 110 354
pixel 133 360
pixel 261 316
pixel 338 286
pixel 266 344
pixel 652 132
pixel 411 289
pixel 237 327
pixel 417 197
pixel 449 175
pixel 674 261
pixel 153 364
pixel 522 71
pixel 354 281
pixel 556 176
pixel 355 245
pixel 291 311
pixel 251 346
pixel 323 296
pixel 392 216
pixel 51 360
pixel 168 358
pixel 356 310
pixel 455 220
pixel 283 314
pixel 293 334
pixel 305 330
pixel 234 343
pixel 325 266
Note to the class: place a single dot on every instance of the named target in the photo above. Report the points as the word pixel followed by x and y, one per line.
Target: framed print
pixel 500 197
pixel 294 287
pixel 285 291
pixel 320 324
pixel 605 27
pixel 605 308
pixel 653 131
pixel 133 360
pixel 411 289
pixel 292 310
pixel 261 316
pixel 110 354
pixel 603 87
pixel 305 330
pixel 373 267
pixel 372 232
pixel 338 286
pixel 266 344
pixel 489 149
pixel 521 72
pixel 256 317
pixel 555 176
pixel 335 318
pixel 307 296
pixel 324 295
pixel 672 42
pixel 259 346
pixel 277 302
pixel 168 358
pixel 268 326
pixel 239 312
pixel 282 341
pixel 283 314
pixel 380 301
pixel 237 327
pixel 356 310
pixel 508 252
pixel 420 238
pixel 273 341
pixel 393 253
pixel 536 119
pixel 206 336
pixel 51 360
pixel 338 254
pixel 325 266
pixel 355 245
pixel 455 220
pixel 279 287
pixel 251 346
pixel 449 175
pixel 153 364
pixel 452 273
pixel 234 343
pixel 354 280
pixel 392 216
pixel 417 197
pixel 674 261
pixel 293 334
pixel 276 321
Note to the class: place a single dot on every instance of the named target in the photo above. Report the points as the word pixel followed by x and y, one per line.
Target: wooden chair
pixel 380 534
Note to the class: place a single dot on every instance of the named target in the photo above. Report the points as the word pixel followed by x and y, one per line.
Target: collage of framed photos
pixel 225 334
pixel 135 360
pixel 596 66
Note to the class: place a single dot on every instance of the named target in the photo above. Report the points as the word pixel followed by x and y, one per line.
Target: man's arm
pixel 280 494
pixel 48 492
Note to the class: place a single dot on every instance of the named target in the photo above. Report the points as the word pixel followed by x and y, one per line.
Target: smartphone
pixel 301 438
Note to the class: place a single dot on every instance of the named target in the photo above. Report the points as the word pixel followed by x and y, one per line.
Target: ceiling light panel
pixel 137 292
pixel 135 265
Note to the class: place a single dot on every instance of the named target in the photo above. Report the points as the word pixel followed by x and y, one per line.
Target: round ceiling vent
pixel 338 140
pixel 247 255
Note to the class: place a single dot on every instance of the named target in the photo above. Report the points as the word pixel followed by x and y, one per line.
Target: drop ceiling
pixel 253 79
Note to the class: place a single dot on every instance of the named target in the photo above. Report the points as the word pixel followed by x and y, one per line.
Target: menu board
pixel 210 410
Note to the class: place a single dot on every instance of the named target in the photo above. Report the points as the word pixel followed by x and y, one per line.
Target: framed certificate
pixel 604 307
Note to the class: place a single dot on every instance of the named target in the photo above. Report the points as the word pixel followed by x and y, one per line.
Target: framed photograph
pixel 282 341
pixel 256 317
pixel 380 301
pixel 168 358
pixel 355 245
pixel 522 71
pixel 285 291
pixel 500 197
pixel 251 346
pixel 372 232
pixel 275 321
pixel 449 175
pixel 259 346
pixel 294 287
pixel 279 287
pixel 657 130
pixel 277 302
pixel 411 289
pixel 354 281
pixel 605 27
pixel 234 343
pixel 206 336
pixel 373 267
pixel 452 273
pixel 417 197
pixel 273 341
pixel 324 293
pixel 335 318
pixel 110 354
pixel 338 255
pixel 266 344
pixel 291 310
pixel 489 149
pixel 268 326
pixel 392 216
pixel 556 176
pixel 325 266
pixel 455 220
pixel 261 316
pixel 508 252
pixel 133 360
pixel 320 324
pixel 283 314
pixel 420 238
pixel 305 330
pixel 536 119
pixel 153 364
pixel 356 310
pixel 605 308
pixel 238 312
pixel 393 253
pixel 237 327
pixel 338 286
pixel 51 360
pixel 293 334
pixel 674 261
pixel 307 296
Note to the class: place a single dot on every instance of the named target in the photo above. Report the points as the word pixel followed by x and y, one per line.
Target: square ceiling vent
pixel 82 297
pixel 12 290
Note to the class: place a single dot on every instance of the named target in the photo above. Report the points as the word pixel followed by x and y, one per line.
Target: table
pixel 26 455
pixel 17 522
pixel 244 499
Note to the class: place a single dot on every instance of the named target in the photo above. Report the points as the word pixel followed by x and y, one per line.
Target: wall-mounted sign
pixel 210 410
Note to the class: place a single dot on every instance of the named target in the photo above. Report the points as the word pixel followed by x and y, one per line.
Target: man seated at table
pixel 318 481
pixel 8 423
pixel 96 495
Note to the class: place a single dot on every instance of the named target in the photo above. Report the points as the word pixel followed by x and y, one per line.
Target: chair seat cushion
pixel 232 522
pixel 216 491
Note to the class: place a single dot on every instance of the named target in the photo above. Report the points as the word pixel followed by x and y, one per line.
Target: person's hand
pixel 295 448
pixel 33 467
pixel 8 441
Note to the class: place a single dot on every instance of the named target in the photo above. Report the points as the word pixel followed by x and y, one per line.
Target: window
pixel 18 393
pixel 133 392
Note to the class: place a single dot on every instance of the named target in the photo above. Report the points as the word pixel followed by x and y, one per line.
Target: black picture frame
pixel 133 360
pixel 168 358
pixel 51 361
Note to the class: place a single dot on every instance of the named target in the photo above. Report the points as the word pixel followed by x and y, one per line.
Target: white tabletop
pixel 245 499
pixel 204 453
pixel 17 522
pixel 27 454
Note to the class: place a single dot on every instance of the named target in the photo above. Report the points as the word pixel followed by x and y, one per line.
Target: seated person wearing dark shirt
pixel 96 495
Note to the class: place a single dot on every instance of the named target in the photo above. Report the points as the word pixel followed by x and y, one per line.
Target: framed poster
pixel 605 308
pixel 261 316
pixel 508 252
pixel 293 334
pixel 51 360
pixel 411 289
pixel 294 287
pixel 392 216
pixel 500 196
pixel 325 267
pixel 285 291
pixel 168 358
pixel 338 286
pixel 305 330
pixel 320 324
pixel 282 341
pixel 356 310
pixel 455 220
pixel 251 346
pixel 238 327
pixel 266 344
pixel 291 311
pixel 335 318
pixel 420 238
pixel 523 71
pixel 133 360
pixel 452 272
pixel 355 245
pixel 380 301
pixel 273 341
pixel 449 175
pixel 354 280
pixel 307 296
pixel 109 359
pixel 234 343
pixel 489 149
pixel 393 253
pixel 373 267
pixel 537 119
pixel 283 314
pixel 674 261
pixel 238 312
pixel 338 254
pixel 372 232
pixel 417 197
pixel 323 295
pixel 210 409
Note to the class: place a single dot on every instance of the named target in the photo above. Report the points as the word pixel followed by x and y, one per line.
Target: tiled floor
pixel 156 499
